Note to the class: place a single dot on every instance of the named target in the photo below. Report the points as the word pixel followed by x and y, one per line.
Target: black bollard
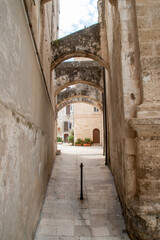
pixel 81 195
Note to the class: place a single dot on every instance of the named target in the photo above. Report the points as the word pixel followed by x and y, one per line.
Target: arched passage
pixel 74 72
pixel 84 43
pixel 80 90
pixel 80 100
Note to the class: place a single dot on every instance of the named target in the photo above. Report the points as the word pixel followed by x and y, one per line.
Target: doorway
pixel 65 137
pixel 96 135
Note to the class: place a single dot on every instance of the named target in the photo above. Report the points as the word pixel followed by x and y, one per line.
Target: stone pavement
pixel 64 216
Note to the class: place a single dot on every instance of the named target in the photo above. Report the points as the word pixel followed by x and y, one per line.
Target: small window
pixel 96 109
pixel 68 110
pixel 66 126
pixel 70 125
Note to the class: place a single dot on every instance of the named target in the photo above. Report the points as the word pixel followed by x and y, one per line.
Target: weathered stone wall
pixel 133 93
pixel 27 127
pixel 148 18
pixel 123 90
pixel 44 22
pixel 124 95
pixel 147 124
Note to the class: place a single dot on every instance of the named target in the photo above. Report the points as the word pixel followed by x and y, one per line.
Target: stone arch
pixel 80 100
pixel 80 90
pixel 84 43
pixel 75 72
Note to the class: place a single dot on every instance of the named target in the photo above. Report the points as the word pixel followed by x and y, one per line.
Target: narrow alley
pixel 64 216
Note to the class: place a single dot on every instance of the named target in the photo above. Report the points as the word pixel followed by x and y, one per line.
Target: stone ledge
pixel 149 110
pixel 146 127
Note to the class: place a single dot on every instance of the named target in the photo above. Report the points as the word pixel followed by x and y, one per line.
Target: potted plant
pixel 87 142
pixel 79 142
pixel 71 139
pixel 59 140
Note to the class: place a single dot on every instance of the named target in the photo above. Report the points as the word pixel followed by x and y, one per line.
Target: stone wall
pixel 147 124
pixel 123 95
pixel 133 93
pixel 44 23
pixel 123 91
pixel 27 126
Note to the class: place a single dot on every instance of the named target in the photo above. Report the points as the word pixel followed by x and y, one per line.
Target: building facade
pixel 65 122
pixel 88 123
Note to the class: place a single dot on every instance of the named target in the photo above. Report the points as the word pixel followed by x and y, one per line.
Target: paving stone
pixel 45 237
pixel 82 231
pixel 100 231
pixel 64 216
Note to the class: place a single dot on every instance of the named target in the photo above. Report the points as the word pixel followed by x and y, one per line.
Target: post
pixel 81 168
pixel 105 120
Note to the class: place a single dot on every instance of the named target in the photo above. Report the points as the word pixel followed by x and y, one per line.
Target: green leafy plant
pixel 71 137
pixel 59 139
pixel 88 141
pixel 79 141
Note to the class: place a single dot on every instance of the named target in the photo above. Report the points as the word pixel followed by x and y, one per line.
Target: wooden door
pixel 65 137
pixel 96 135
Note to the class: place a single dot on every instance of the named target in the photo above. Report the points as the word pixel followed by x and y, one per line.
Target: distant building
pixel 86 120
pixel 65 122
pixel 88 123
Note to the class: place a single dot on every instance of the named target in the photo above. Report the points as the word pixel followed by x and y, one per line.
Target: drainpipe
pixel 105 118
pixel 36 50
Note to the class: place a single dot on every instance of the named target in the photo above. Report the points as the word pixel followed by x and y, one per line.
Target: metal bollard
pixel 81 168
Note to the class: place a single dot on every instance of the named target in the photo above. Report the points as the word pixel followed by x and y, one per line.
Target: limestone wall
pixel 27 127
pixel 148 18
pixel 123 92
pixel 133 93
pixel 45 25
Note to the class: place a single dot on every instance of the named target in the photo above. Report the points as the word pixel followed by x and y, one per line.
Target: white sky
pixel 76 14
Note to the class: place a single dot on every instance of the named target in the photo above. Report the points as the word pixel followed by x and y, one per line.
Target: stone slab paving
pixel 64 216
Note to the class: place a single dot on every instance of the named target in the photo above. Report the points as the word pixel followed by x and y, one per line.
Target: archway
pixel 80 100
pixel 75 72
pixel 80 90
pixel 96 135
pixel 84 43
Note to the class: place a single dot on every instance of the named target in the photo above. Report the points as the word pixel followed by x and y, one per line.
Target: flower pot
pixel 86 144
pixel 78 144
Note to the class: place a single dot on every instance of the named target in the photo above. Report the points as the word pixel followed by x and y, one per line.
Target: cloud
pixel 77 14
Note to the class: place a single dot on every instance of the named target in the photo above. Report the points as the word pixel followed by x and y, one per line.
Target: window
pixel 70 125
pixel 96 109
pixel 66 126
pixel 68 110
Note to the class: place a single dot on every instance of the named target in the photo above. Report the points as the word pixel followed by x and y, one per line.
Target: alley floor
pixel 64 216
